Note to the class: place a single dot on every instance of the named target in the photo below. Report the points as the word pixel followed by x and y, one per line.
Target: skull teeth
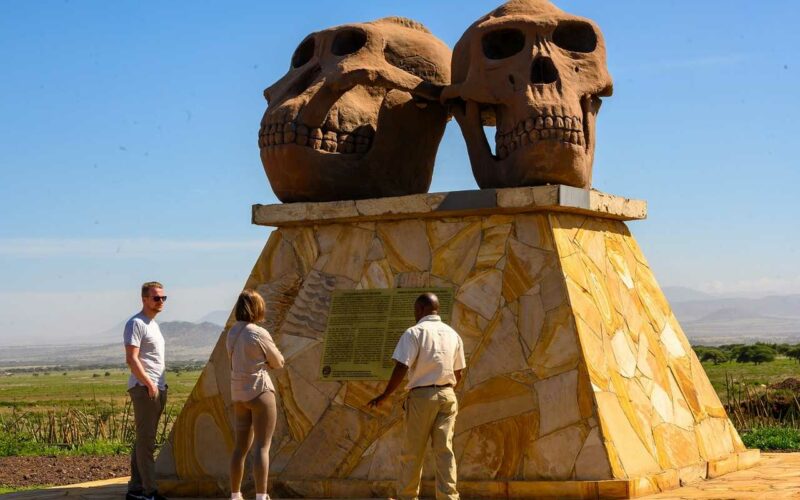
pixel 321 139
pixel 566 129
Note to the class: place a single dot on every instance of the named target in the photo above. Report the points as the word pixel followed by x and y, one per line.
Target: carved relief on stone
pixel 358 113
pixel 537 74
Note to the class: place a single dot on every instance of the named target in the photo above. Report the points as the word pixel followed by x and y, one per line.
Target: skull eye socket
pixel 348 41
pixel 575 36
pixel 303 53
pixel 502 43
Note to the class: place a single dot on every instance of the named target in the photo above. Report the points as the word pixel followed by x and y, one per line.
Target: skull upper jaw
pixel 378 162
pixel 534 144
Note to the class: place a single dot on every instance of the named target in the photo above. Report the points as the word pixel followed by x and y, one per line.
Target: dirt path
pixel 30 471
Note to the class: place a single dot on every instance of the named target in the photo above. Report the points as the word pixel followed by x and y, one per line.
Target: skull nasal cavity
pixel 543 71
pixel 348 41
pixel 500 44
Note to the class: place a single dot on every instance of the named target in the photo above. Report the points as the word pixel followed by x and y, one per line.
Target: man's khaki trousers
pixel 430 412
pixel 146 414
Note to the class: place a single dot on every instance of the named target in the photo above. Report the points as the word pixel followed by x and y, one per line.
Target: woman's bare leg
pixel 243 432
pixel 264 414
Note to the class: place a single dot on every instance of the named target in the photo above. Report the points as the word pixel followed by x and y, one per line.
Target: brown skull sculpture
pixel 358 114
pixel 537 73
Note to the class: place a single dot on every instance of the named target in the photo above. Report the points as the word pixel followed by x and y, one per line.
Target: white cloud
pixel 131 247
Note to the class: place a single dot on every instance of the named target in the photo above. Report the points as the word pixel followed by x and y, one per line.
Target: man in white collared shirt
pixel 432 354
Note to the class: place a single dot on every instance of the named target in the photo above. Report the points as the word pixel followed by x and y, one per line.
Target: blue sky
pixel 128 145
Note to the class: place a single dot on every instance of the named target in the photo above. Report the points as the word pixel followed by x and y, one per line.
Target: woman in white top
pixel 251 351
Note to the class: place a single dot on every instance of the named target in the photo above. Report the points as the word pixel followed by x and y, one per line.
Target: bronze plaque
pixel 364 326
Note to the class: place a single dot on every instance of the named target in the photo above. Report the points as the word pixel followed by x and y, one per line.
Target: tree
pixel 758 353
pixel 716 356
pixel 794 353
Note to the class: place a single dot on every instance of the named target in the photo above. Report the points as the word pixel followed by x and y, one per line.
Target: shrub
pixel 772 438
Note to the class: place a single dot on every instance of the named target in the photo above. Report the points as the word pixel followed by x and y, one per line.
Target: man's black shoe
pixel 135 495
pixel 156 496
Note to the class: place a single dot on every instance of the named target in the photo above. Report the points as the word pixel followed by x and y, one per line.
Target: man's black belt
pixel 432 385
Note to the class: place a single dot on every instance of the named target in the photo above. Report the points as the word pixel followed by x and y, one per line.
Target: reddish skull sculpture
pixel 537 73
pixel 358 114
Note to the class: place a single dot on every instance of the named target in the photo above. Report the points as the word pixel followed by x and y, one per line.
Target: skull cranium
pixel 537 73
pixel 358 114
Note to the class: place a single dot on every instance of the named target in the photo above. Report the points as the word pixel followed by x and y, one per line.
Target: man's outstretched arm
pixel 398 374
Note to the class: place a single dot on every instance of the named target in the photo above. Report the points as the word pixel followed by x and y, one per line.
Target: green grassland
pixel 751 374
pixel 81 388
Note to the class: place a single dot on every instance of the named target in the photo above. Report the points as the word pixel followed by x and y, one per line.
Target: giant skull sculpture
pixel 358 114
pixel 537 73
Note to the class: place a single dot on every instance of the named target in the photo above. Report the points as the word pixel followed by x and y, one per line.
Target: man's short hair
pixel 250 307
pixel 146 287
pixel 428 300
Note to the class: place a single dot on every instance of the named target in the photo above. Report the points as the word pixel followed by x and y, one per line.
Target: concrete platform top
pixel 555 198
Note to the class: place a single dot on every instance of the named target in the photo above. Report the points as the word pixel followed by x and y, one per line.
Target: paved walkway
pixel 777 476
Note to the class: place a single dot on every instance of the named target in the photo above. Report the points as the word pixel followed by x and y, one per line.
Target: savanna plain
pixel 66 425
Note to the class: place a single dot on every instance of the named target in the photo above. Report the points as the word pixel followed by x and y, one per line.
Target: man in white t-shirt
pixel 432 354
pixel 144 354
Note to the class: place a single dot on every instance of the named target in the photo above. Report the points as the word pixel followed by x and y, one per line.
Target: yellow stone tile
pixel 499 351
pixel 378 274
pixel 493 246
pixel 677 447
pixel 593 244
pixel 714 439
pixel 633 454
pixel 524 267
pixel 468 325
pixel 455 259
pixel 557 348
pixel 530 319
pixel 406 245
pixel 481 292
pixel 639 425
pixel 349 253
pixel 495 450
pixel 594 355
pixel 496 220
pixel 326 236
pixel 722 466
pixel 592 461
pixel 553 456
pixel 683 390
pixel 585 308
pixel 586 404
pixel 534 230
pixel 440 231
pixel 496 399
pixel 558 402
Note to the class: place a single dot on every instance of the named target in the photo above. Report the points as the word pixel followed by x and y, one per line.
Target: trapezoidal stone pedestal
pixel 580 383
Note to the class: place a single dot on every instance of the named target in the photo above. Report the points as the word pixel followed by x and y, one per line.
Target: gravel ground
pixel 31 471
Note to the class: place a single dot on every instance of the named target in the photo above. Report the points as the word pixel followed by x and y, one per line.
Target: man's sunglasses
pixel 159 298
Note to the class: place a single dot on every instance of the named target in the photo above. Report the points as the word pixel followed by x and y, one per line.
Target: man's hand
pixel 152 390
pixel 377 401
pixel 398 373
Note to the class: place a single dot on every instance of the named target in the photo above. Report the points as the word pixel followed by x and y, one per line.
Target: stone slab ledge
pixel 556 198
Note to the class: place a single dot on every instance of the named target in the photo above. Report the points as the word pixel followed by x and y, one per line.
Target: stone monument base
pixel 580 383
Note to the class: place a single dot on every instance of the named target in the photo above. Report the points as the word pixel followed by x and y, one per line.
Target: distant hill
pixel 216 317
pixel 185 341
pixel 775 318
pixel 677 294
